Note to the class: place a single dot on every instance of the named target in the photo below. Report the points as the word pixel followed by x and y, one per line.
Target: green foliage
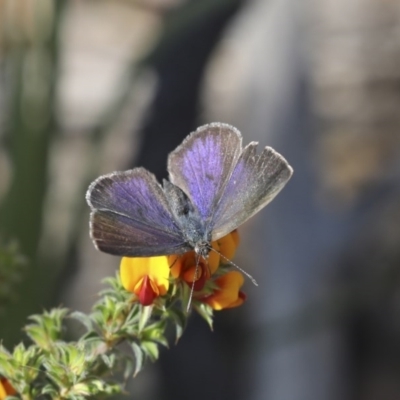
pixel 12 266
pixel 52 368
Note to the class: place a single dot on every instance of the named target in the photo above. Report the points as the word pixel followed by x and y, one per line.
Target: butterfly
pixel 214 186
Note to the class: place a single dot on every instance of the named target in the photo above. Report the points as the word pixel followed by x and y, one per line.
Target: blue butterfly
pixel 214 186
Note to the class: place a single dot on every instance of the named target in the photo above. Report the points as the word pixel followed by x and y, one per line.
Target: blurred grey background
pixel 92 86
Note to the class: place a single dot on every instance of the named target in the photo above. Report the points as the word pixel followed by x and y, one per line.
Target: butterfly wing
pixel 226 185
pixel 202 164
pixel 254 182
pixel 131 216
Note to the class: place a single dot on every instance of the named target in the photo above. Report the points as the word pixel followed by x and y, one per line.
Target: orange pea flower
pixel 227 294
pixel 147 277
pixel 184 266
pixel 5 388
pixel 228 244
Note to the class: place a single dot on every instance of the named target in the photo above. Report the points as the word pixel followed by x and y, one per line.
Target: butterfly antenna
pixel 236 266
pixel 193 283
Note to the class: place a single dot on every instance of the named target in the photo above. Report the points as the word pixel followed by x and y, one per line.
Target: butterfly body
pixel 196 234
pixel 214 186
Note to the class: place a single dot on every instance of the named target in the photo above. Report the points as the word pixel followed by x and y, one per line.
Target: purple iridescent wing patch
pixel 131 216
pixel 202 164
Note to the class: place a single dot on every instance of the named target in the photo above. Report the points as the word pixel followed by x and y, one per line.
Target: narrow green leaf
pixel 139 359
pixel 151 349
pixel 180 320
pixel 205 312
pixel 144 316
pixel 84 319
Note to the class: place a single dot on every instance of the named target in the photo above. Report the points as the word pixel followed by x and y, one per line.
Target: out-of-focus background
pixel 92 86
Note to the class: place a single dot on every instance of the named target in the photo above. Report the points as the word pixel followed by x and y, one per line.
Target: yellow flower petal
pixel 5 388
pixel 3 393
pixel 214 257
pixel 239 301
pixel 235 237
pixel 175 261
pixel 227 295
pixel 228 245
pixel 133 270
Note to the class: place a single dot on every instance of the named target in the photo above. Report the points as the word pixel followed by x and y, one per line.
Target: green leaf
pixel 129 368
pixel 144 316
pixel 47 327
pixel 37 335
pixel 206 312
pixel 150 349
pixel 109 360
pixel 139 358
pixel 180 320
pixel 84 319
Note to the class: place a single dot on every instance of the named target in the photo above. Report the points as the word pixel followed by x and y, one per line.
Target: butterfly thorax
pixel 194 229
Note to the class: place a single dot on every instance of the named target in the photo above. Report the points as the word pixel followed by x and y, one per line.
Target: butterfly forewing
pixel 131 216
pixel 202 164
pixel 254 182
